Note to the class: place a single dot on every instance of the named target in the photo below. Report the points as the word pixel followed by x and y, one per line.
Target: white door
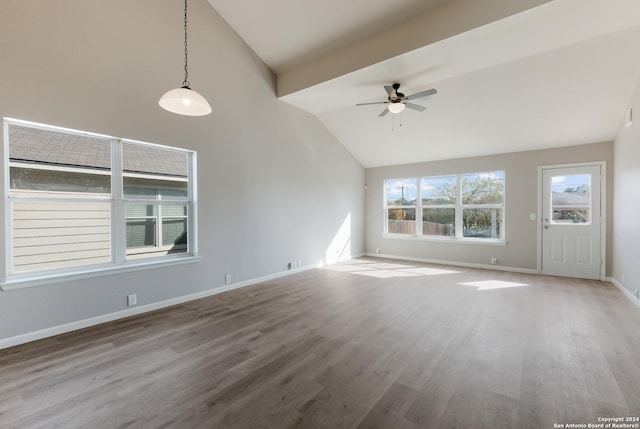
pixel 571 221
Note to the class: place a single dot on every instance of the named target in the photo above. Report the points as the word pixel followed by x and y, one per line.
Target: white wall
pixel 521 199
pixel 626 201
pixel 274 185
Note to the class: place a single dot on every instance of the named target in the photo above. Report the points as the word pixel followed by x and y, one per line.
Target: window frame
pixel 119 262
pixel 553 207
pixel 158 201
pixel 489 206
pixel 458 207
pixel 401 207
pixel 453 206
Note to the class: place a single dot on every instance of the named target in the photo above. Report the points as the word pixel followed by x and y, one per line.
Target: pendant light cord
pixel 185 84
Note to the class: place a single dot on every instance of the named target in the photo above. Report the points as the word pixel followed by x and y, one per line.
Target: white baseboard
pixel 85 323
pixel 456 263
pixel 625 291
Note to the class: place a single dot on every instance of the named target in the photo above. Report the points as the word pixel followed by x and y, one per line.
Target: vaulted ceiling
pixel 510 76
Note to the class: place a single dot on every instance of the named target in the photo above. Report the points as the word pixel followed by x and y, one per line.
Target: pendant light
pixel 184 100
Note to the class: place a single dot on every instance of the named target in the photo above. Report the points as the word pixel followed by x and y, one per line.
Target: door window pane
pixel 571 199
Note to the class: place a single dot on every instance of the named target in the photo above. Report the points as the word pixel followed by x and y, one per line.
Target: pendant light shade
pixel 396 107
pixel 184 100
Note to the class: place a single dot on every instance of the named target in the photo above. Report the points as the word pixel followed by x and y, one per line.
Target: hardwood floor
pixel 368 344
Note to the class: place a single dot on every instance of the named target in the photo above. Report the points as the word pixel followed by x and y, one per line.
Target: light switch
pixel 532 216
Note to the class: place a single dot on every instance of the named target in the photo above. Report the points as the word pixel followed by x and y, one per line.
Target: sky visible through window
pixel 408 188
pixel 562 183
pixel 432 187
pixel 399 188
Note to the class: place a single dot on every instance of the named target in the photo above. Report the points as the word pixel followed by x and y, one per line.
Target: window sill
pixel 482 241
pixel 35 279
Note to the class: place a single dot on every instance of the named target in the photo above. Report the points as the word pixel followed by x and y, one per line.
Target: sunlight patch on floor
pixel 384 274
pixel 425 271
pixel 387 265
pixel 346 268
pixel 385 270
pixel 493 284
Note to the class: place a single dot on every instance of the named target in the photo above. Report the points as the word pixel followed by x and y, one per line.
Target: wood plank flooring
pixel 372 343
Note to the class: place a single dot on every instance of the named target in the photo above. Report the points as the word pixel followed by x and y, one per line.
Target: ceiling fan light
pixel 185 101
pixel 396 107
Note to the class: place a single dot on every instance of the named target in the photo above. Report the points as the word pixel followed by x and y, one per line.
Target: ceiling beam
pixel 448 20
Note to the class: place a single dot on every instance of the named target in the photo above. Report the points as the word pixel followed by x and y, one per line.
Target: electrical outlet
pixel 378 250
pixel 227 279
pixel 132 300
pixel 494 261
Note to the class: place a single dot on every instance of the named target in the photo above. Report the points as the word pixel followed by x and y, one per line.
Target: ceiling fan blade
pixel 390 91
pixel 422 94
pixel 384 112
pixel 414 106
pixel 375 102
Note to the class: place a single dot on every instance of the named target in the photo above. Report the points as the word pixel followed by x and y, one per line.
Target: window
pixel 482 204
pixel 401 198
pixel 156 191
pixel 78 200
pixel 438 197
pixel 571 199
pixel 467 206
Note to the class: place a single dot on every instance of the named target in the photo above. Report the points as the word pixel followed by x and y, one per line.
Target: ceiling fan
pixel 397 101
